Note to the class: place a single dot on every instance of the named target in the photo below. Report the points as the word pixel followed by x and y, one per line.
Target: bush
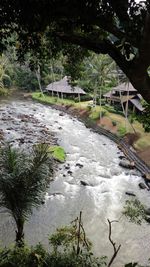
pixel 114 123
pixel 122 131
pixel 145 118
pixel 103 113
pixel 89 107
pixel 82 98
pixel 112 110
pixel 3 92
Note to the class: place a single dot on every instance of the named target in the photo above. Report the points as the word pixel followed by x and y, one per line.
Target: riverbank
pixel 83 113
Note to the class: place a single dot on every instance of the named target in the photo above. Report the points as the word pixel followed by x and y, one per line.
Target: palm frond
pixel 23 179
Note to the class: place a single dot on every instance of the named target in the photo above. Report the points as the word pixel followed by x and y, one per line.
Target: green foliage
pixel 24 78
pixel 95 115
pixel 132 118
pixel 58 153
pixel 4 92
pixel 122 131
pixel 23 256
pixel 71 248
pixel 111 109
pixel 145 117
pixel 4 77
pixel 97 74
pixel 71 238
pixel 135 211
pixel 114 123
pixel 38 257
pixel 24 178
pixel 83 98
pixel 103 113
pixel 51 100
pixel 94 26
pixel 64 254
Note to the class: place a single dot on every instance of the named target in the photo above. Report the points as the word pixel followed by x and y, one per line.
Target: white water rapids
pixel 103 198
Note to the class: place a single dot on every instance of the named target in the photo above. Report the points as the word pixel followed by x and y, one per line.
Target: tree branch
pixel 116 249
pixel 144 51
pixel 103 46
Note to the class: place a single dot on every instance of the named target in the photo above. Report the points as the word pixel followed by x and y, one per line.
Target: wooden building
pixel 63 89
pixel 126 95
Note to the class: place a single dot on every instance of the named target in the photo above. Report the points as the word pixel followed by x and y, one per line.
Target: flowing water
pixel 91 158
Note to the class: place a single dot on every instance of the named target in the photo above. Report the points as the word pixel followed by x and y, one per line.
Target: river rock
pixel 69 172
pixel 84 183
pixel 130 194
pixel 21 140
pixel 79 165
pixel 146 176
pixel 127 164
pixel 147 219
pixel 67 167
pixel 142 186
pixel 104 191
pixel 61 114
pixel 55 194
pixel 122 157
pixel 147 211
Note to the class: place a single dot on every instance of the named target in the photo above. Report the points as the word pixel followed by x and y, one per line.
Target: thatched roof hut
pixel 125 93
pixel 125 87
pixel 63 87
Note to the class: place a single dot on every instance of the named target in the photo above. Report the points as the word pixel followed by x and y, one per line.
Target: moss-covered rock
pixel 58 153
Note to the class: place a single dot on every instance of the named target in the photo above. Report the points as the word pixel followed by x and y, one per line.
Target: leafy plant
pixel 122 131
pixel 114 123
pixel 23 180
pixel 71 248
pixel 135 211
pixel 58 153
pixel 145 118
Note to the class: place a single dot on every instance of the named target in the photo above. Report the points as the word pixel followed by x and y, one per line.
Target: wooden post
pixel 79 97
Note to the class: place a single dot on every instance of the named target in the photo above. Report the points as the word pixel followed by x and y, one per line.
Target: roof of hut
pixel 137 104
pixel 63 86
pixel 124 87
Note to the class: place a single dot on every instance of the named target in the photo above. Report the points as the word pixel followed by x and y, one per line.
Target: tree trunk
pixel 19 232
pixel 141 82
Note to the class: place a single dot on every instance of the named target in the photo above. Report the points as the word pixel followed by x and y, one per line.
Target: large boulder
pixel 147 211
pixel 147 176
pixel 79 165
pixel 84 183
pixel 142 186
pixel 127 164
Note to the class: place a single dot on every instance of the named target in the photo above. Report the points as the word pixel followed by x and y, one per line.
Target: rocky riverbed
pixel 90 180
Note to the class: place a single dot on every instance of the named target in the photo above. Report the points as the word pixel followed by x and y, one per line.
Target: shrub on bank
pixel 3 92
pixel 122 131
pixel 112 110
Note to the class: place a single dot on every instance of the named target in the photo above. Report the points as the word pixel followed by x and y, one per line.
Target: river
pixel 91 158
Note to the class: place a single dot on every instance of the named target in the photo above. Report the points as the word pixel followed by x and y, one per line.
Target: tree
pixel 23 181
pixel 120 29
pixel 4 65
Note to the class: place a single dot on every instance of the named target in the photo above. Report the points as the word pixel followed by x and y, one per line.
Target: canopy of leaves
pixel 120 29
